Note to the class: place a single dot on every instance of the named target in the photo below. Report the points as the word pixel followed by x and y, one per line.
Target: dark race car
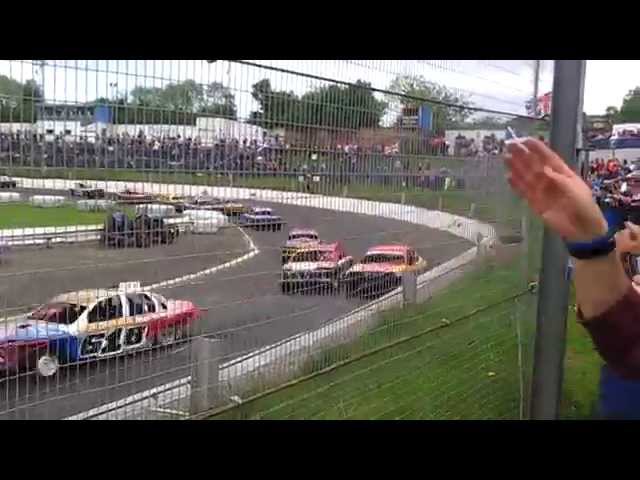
pixel 84 190
pixel 144 231
pixel 261 218
pixel 128 196
pixel 7 182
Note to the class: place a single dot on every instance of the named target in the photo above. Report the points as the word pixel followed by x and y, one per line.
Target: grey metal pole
pixel 568 86
pixel 205 383
pixel 409 288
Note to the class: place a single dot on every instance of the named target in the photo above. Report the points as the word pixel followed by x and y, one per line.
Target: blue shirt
pixel 619 398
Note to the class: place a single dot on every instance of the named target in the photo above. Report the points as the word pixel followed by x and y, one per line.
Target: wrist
pixel 596 232
pixel 597 247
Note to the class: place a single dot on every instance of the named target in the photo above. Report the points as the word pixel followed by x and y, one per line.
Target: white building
pixel 477 135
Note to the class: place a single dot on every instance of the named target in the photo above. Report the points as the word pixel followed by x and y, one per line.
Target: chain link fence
pixel 265 239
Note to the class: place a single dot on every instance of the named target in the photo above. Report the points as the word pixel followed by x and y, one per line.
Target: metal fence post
pixel 472 210
pixel 205 383
pixel 409 288
pixel 546 388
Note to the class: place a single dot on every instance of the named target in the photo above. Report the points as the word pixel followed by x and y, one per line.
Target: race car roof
pixel 89 296
pixel 323 247
pixel 397 249
pixel 302 231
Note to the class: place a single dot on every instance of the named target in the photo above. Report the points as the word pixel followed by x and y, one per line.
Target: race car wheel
pixel 168 336
pixel 48 365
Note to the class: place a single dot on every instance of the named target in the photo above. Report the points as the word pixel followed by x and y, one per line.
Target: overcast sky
pixel 495 85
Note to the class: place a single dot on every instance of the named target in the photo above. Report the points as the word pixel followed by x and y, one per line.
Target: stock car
pixel 297 239
pixel 261 218
pixel 231 208
pixel 203 202
pixel 7 182
pixel 131 196
pixel 315 266
pixel 381 270
pixel 84 190
pixel 93 324
pixel 144 231
pixel 179 202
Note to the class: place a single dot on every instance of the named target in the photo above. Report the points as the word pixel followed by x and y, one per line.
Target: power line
pixel 380 90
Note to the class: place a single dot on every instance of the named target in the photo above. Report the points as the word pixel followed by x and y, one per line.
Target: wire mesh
pixel 264 239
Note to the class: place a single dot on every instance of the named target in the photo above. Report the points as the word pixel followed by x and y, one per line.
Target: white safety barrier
pixel 156 209
pixel 467 228
pixel 6 197
pixel 206 221
pixel 50 235
pixel 47 200
pixel 95 205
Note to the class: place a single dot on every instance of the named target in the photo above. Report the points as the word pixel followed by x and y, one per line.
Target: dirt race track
pixel 243 304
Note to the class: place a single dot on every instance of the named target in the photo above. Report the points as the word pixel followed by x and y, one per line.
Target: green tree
pixel 630 110
pixel 19 101
pixel 329 106
pixel 277 108
pixel 176 103
pixel 446 116
pixel 219 101
pixel 343 107
pixel 612 114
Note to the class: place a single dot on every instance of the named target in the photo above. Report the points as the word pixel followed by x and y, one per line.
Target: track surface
pixel 244 308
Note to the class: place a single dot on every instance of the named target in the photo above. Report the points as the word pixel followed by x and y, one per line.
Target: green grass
pixel 582 371
pixel 503 210
pixel 22 215
pixel 466 366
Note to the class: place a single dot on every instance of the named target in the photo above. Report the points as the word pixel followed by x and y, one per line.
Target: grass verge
pixel 452 357
pixel 23 215
pixel 582 371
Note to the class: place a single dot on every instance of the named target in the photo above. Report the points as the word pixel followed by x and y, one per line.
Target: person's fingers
pixel 634 231
pixel 518 162
pixel 546 155
pixel 516 184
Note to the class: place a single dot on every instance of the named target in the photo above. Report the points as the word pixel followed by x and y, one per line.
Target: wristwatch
pixel 598 247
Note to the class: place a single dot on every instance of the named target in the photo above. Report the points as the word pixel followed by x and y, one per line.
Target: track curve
pixel 244 307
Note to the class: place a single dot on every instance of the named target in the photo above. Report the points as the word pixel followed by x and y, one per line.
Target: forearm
pixel 600 283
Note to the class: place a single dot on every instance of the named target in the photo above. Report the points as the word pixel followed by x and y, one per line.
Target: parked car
pixel 381 270
pixel 261 218
pixel 317 266
pixel 7 182
pixel 90 325
pixel 84 190
pixel 297 239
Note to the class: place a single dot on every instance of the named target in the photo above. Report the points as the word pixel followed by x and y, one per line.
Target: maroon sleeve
pixel 616 334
